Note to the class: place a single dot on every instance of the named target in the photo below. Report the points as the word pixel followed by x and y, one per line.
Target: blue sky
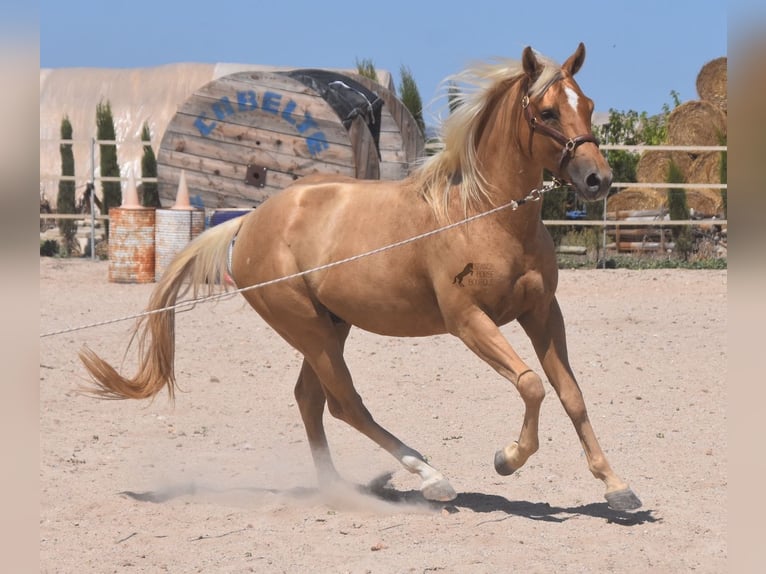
pixel 638 51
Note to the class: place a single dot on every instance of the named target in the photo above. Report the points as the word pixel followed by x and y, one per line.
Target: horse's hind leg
pixel 345 404
pixel 311 402
pixel 547 333
pixel 312 332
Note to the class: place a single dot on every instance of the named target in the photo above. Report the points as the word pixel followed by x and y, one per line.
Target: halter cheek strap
pixel 570 145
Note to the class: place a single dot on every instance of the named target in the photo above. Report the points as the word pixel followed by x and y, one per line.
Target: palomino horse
pixel 520 118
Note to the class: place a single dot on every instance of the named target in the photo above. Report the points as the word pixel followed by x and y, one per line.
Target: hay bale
pixel 636 198
pixel 712 82
pixel 653 166
pixel 705 202
pixel 705 169
pixel 696 123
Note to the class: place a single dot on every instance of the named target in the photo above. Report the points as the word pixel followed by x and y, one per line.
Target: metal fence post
pixel 93 199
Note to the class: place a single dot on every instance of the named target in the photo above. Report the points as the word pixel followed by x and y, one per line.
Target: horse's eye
pixel 548 114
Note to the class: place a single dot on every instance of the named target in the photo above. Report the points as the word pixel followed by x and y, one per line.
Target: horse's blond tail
pixel 202 263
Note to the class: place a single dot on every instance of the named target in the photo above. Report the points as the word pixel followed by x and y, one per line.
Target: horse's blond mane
pixel 456 166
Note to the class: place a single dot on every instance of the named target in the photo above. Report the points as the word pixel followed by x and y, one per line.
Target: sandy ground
pixel 223 481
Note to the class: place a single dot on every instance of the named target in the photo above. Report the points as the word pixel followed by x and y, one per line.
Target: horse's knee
pixel 531 388
pixel 350 411
pixel 341 411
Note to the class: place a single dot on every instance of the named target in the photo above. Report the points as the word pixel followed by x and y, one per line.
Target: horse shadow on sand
pixel 380 490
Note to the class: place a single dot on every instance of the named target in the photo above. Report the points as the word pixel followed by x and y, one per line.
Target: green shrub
pixel 49 248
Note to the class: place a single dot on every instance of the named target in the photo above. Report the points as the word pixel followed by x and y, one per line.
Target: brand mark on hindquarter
pixel 475 274
pixel 467 270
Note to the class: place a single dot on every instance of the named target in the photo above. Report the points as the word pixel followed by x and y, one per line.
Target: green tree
pixel 366 68
pixel 151 197
pixel 679 210
pixel 112 193
pixel 65 202
pixel 410 96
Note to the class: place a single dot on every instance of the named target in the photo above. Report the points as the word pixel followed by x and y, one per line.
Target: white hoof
pixel 438 489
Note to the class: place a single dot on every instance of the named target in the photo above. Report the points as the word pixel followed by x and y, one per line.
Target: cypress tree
pixel 112 192
pixel 151 196
pixel 366 68
pixel 410 96
pixel 65 202
pixel 679 211
pixel 676 195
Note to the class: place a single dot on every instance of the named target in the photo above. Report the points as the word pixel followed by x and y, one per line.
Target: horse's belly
pixel 384 310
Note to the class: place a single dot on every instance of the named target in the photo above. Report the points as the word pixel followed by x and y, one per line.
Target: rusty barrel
pixel 131 245
pixel 174 229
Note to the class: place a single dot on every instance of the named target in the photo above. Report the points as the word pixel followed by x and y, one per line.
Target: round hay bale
pixel 696 123
pixel 705 169
pixel 712 82
pixel 636 198
pixel 653 166
pixel 704 202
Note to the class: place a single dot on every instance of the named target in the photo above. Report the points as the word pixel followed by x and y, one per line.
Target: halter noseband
pixel 570 144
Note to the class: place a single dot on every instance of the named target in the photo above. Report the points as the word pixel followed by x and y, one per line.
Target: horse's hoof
pixel 440 491
pixel 501 464
pixel 623 499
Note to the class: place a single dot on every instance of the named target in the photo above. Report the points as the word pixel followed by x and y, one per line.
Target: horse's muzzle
pixel 591 180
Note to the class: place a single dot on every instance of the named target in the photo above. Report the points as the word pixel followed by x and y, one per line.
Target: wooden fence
pixel 629 234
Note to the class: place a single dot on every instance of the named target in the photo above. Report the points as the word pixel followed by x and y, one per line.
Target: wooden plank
pixel 639 231
pixel 572 249
pixel 242 99
pixel 220 192
pixel 625 246
pixel 393 171
pixel 628 213
pixel 213 170
pixel 288 157
pixel 206 122
pixel 304 120
pixel 253 129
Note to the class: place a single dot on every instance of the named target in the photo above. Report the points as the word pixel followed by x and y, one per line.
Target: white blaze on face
pixel 572 97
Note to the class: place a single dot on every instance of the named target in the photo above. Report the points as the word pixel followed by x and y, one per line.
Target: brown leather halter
pixel 570 144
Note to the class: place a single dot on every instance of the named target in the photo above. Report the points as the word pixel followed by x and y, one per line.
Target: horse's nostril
pixel 593 180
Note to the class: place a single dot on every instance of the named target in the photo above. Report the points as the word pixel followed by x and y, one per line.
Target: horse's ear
pixel 532 66
pixel 575 61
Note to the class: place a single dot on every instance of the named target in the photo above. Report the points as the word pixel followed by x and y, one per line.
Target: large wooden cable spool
pixel 243 137
pixel 401 142
pixel 398 139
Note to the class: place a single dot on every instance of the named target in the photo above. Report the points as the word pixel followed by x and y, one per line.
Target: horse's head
pixel 559 127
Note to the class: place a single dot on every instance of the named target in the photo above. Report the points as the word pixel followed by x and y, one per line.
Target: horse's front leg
pixel 546 330
pixel 483 337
